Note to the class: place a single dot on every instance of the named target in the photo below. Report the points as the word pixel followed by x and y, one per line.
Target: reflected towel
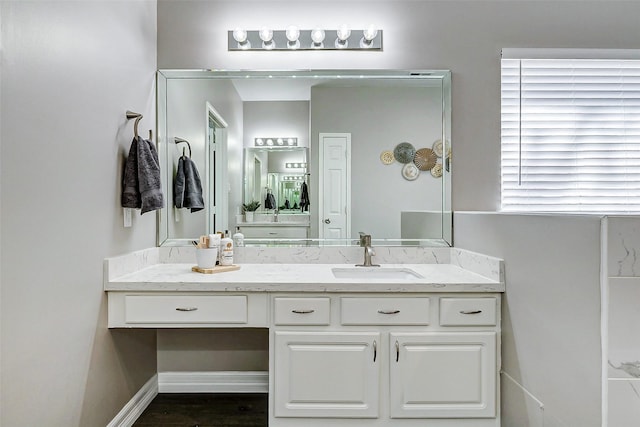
pixel 304 197
pixel 187 188
pixel 141 186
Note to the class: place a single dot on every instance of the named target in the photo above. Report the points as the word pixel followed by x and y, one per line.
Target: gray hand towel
pixel 149 177
pixel 130 192
pixel 187 188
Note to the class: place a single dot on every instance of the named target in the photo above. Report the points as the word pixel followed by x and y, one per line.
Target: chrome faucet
pixel 275 215
pixel 365 242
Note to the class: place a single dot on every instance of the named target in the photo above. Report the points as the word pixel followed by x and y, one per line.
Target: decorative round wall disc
pixel 410 172
pixel 387 157
pixel 439 148
pixel 404 152
pixel 436 171
pixel 425 159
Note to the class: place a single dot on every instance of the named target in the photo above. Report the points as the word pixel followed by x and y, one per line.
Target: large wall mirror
pixel 326 154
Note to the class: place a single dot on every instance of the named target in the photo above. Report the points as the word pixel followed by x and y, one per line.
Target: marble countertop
pixel 300 278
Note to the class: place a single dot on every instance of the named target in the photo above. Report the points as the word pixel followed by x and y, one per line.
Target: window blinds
pixel 571 135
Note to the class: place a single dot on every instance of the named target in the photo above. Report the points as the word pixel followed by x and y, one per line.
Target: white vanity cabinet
pixel 326 374
pixel 385 360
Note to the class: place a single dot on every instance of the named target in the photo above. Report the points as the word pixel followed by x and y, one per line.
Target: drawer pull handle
pixel 186 308
pixel 388 311
pixel 375 350
pixel 397 351
pixel 302 311
pixel 470 311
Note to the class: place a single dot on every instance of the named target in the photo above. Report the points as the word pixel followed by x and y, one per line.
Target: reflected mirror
pixel 326 155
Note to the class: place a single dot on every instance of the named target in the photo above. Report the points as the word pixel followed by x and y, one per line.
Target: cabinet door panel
pixel 438 375
pixel 326 374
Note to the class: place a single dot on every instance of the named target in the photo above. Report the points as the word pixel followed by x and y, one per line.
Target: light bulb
pixel 292 33
pixel 343 34
pixel 269 141
pixel 317 36
pixel 240 35
pixel 290 141
pixel 266 35
pixel 259 141
pixel 279 141
pixel 370 32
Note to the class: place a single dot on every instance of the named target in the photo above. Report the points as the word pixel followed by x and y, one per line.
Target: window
pixel 570 134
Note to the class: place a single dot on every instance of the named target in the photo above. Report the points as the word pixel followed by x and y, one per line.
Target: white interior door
pixel 335 185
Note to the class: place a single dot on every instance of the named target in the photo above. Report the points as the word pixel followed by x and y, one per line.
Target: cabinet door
pixel 333 375
pixel 443 375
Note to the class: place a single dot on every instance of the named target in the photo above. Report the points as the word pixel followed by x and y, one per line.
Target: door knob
pixel 327 221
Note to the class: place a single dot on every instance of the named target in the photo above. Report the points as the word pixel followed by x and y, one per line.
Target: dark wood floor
pixel 206 410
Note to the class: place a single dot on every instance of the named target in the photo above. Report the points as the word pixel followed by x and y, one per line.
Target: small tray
pixel 216 269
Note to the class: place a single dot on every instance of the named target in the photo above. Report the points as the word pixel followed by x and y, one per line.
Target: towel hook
pixel 138 117
pixel 180 140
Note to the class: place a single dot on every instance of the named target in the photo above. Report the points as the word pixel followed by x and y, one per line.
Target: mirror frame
pixel 163 238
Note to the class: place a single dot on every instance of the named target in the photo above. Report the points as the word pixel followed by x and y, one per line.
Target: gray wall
pixel 69 71
pixel 551 313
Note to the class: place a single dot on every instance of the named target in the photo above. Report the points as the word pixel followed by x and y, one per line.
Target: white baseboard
pixel 136 406
pixel 214 382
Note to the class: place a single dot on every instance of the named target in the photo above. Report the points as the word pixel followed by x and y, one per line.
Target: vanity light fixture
pixel 296 165
pixel 292 178
pixel 293 38
pixel 278 141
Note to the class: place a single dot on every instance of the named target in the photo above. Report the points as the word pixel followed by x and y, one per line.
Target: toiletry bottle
pixel 238 238
pixel 226 246
pixel 214 242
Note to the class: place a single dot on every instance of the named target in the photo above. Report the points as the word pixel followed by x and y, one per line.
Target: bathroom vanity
pixel 394 345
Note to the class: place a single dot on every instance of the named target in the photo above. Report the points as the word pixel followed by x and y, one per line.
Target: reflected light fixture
pixel 294 38
pixel 278 141
pixel 295 165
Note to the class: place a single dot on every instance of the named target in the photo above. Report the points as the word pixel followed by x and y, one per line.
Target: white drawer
pixel 468 311
pixel 302 311
pixel 384 311
pixel 185 309
pixel 275 232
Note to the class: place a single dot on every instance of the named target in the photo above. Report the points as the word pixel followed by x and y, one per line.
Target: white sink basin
pixel 375 273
